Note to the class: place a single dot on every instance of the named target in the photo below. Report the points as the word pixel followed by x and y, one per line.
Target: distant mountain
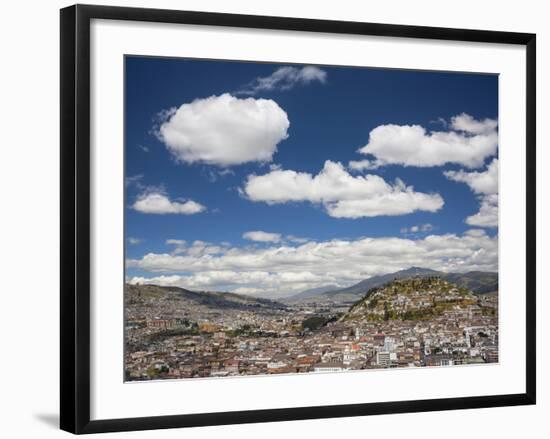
pixel 362 287
pixel 212 299
pixel 313 292
pixel 480 282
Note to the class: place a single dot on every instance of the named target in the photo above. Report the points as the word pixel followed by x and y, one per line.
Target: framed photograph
pixel 268 219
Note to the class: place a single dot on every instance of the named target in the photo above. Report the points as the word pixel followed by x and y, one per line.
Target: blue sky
pixel 197 171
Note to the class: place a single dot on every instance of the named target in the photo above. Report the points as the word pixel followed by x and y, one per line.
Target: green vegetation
pixel 316 322
pixel 373 302
pixel 416 298
pixel 245 330
pixel 486 311
pixel 420 314
pixel 161 335
pixel 155 372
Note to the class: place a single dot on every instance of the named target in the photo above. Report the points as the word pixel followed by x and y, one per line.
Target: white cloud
pixel 177 242
pixel 465 122
pixel 488 212
pixel 420 228
pixel 159 203
pixel 225 130
pixel 259 236
pixel 469 143
pixel 134 241
pixel 134 180
pixel 475 233
pixel 342 195
pixel 283 269
pixel 197 248
pixel 363 165
pixel 258 282
pixel 485 184
pixel 441 121
pixel 297 239
pixel 285 78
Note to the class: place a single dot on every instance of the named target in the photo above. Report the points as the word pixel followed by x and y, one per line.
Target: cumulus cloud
pixel 465 122
pixel 485 185
pixel 468 142
pixel 159 203
pixel 283 269
pixel 224 130
pixel 476 233
pixel 488 213
pixel 341 194
pixel 485 182
pixel 259 236
pixel 285 78
pixel 134 241
pixel 363 165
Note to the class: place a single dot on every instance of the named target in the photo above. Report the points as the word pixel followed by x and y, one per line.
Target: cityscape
pixel 409 322
pixel 282 218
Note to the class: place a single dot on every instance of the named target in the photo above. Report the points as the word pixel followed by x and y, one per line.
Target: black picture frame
pixel 75 218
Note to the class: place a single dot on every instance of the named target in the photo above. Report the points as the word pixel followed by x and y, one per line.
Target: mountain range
pixel 211 299
pixel 480 282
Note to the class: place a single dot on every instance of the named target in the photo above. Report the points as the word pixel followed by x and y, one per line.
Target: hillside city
pixel 416 321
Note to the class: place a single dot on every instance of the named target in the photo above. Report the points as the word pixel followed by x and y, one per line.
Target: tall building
pixel 383 359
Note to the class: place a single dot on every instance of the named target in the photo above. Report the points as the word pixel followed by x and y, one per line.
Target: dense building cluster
pixel 406 324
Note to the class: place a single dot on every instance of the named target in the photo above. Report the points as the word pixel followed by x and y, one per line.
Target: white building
pixel 383 359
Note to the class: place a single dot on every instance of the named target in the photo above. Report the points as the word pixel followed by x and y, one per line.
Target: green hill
pixel 416 298
pixel 479 282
